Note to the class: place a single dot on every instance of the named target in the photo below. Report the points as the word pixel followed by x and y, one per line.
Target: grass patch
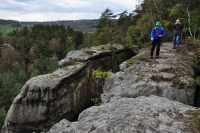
pixel 7 28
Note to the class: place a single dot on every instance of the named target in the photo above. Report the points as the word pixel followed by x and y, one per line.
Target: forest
pixel 37 49
pixel 83 25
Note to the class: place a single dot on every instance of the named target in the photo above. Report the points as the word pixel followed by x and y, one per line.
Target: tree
pixel 2 115
pixel 132 36
pixel 106 26
pixel 106 18
pixel 8 56
pixel 1 39
pixel 11 84
pixel 53 64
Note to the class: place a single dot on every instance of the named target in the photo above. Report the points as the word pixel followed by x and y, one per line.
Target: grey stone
pixel 151 114
pixel 64 126
pixel 46 99
pixel 168 76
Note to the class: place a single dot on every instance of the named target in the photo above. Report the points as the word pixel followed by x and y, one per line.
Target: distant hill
pixel 84 25
pixel 12 23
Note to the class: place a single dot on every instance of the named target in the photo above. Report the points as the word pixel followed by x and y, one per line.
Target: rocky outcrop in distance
pixel 145 96
pixel 46 99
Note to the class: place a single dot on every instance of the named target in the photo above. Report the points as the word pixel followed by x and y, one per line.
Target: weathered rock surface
pixel 151 114
pixel 145 96
pixel 171 76
pixel 46 99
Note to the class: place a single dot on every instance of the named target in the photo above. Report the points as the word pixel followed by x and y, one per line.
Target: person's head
pixel 178 21
pixel 158 24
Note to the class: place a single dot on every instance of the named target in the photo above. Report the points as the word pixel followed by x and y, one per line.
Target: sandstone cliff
pixel 46 99
pixel 145 96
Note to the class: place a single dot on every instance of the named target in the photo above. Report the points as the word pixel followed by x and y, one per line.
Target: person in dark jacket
pixel 156 37
pixel 177 33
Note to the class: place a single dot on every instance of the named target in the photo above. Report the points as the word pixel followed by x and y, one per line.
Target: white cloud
pixel 51 10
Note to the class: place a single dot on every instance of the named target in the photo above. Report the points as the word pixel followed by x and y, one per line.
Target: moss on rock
pixel 140 57
pixel 194 121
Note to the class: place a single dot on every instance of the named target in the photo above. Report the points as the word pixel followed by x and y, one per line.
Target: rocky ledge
pixel 171 75
pixel 151 114
pixel 46 99
pixel 145 96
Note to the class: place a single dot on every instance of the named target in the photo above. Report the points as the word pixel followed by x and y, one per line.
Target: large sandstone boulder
pixel 151 114
pixel 46 99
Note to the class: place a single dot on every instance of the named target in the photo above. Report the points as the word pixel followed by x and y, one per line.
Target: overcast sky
pixel 53 10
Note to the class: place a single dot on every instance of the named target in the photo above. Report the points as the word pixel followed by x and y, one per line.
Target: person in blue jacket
pixel 156 37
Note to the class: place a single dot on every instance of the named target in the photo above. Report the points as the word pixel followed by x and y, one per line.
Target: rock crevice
pixel 46 99
pixel 146 95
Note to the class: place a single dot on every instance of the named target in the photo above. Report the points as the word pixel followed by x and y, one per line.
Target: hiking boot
pixel 157 56
pixel 173 48
pixel 151 57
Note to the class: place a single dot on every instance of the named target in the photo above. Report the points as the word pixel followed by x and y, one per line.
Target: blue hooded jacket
pixel 156 32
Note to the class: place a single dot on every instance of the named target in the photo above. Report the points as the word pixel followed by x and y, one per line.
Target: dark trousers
pixel 155 43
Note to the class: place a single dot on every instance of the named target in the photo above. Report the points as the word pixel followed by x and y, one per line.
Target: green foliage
pixel 11 84
pixel 167 12
pixel 53 64
pixel 177 10
pixel 194 120
pixel 132 36
pixel 41 64
pixel 198 80
pixel 100 74
pixel 85 25
pixel 2 116
pixel 192 41
pixel 106 27
pixel 110 30
pixel 34 72
pixel 96 101
pixel 45 40
pixel 196 56
pixel 38 67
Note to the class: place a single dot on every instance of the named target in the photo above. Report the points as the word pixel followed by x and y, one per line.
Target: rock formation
pixel 46 99
pixel 151 114
pixel 171 76
pixel 145 96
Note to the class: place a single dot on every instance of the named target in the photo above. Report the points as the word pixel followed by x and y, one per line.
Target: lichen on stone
pixel 184 82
